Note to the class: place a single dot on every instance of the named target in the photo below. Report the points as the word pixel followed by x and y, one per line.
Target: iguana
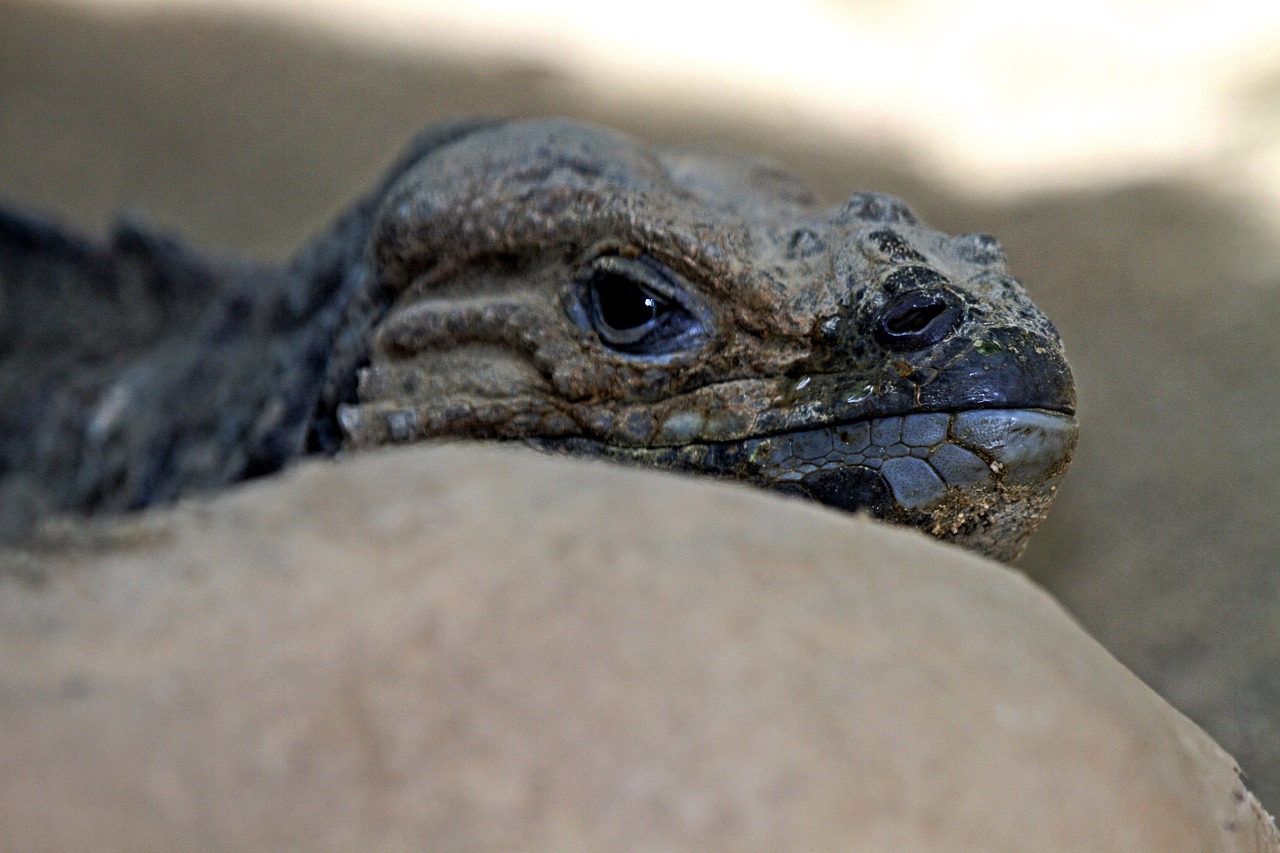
pixel 562 285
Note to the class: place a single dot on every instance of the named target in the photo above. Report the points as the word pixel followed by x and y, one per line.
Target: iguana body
pixel 562 285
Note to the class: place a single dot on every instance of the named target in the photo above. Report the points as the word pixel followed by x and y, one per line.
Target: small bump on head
pixel 875 207
pixel 884 245
pixel 912 278
pixel 804 243
pixel 979 249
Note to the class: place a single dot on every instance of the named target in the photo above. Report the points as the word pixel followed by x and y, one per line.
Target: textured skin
pixel 496 286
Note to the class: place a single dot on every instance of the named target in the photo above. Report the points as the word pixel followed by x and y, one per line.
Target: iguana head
pixel 698 310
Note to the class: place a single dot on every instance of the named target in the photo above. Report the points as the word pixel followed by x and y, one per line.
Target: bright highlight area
pixel 996 96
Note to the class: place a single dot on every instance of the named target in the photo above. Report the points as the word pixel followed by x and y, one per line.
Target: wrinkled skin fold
pixel 562 285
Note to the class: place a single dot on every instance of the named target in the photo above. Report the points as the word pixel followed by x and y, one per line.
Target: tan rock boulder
pixel 465 649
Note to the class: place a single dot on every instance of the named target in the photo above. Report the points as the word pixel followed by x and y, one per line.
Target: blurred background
pixel 1127 154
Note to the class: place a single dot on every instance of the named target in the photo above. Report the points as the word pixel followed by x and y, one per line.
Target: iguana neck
pixel 142 371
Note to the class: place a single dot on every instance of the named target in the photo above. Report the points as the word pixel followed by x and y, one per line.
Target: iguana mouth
pixel 982 478
pixel 972 453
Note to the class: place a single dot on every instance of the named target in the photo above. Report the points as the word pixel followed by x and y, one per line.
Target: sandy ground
pixel 245 131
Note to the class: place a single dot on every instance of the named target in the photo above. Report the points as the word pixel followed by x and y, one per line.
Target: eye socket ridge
pixel 636 308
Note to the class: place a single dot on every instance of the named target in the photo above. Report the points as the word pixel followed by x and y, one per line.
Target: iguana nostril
pixel 913 318
pixel 917 319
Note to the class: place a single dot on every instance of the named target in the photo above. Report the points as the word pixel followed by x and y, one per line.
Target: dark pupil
pixel 914 319
pixel 624 304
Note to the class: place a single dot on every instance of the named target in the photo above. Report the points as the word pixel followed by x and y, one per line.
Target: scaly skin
pixel 570 287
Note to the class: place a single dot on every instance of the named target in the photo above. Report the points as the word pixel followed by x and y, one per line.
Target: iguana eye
pixel 635 307
pixel 625 311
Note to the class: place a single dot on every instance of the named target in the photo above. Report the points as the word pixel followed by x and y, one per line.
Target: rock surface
pixel 457 648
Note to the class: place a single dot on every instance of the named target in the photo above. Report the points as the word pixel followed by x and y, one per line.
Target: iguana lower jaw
pixel 981 478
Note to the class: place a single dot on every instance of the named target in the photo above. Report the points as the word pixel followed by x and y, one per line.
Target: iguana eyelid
pixel 644 272
pixel 681 326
